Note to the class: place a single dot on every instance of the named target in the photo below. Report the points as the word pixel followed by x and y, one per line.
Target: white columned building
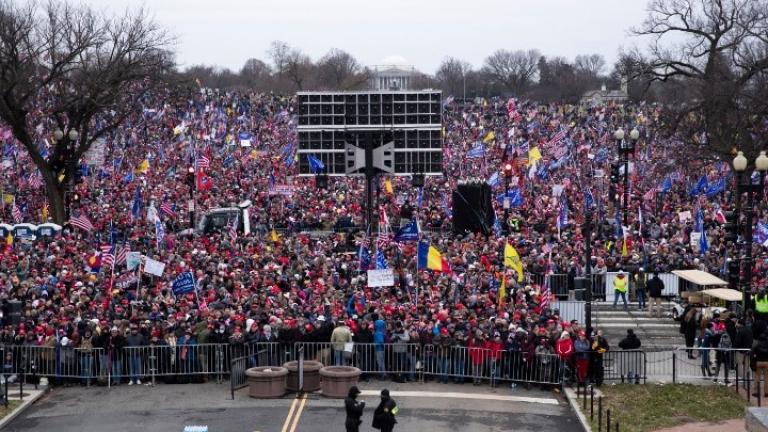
pixel 394 73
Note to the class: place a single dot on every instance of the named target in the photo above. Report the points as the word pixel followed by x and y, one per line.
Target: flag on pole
pixel 202 162
pixel 512 260
pixel 136 207
pixel 81 222
pixel 381 261
pixel 108 255
pixel 476 152
pixel 121 256
pixel 159 232
pixel 315 164
pixel 503 291
pixel 167 208
pixel 16 213
pixel 232 228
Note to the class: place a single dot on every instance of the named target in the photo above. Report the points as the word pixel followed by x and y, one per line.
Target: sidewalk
pixel 736 425
pixel 28 397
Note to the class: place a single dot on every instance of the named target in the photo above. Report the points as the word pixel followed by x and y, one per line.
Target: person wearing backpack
pixel 384 415
pixel 723 357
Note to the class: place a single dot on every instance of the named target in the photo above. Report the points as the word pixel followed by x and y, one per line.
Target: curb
pixel 24 405
pixel 573 400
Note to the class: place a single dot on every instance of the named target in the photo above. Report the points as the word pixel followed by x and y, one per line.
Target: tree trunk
pixel 55 192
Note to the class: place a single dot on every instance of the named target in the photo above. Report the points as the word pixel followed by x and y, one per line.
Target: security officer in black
pixel 354 410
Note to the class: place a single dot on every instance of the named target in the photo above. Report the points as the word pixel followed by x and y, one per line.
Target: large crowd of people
pixel 294 275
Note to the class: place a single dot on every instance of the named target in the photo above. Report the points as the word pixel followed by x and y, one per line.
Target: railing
pixel 402 361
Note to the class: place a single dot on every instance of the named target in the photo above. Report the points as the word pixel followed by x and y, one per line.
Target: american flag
pixel 232 228
pixel 16 213
pixel 202 162
pixel 557 137
pixel 81 222
pixel 107 255
pixel 546 293
pixel 35 180
pixel 167 209
pixel 122 253
pixel 383 240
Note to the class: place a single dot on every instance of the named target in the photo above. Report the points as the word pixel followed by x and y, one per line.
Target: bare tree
pixel 514 70
pixel 65 67
pixel 290 64
pixel 717 49
pixel 591 65
pixel 256 74
pixel 338 70
pixel 452 75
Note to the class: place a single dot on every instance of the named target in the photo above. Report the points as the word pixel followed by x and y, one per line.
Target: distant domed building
pixel 394 73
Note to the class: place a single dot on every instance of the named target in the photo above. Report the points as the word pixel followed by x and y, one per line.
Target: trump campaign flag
pixel 184 283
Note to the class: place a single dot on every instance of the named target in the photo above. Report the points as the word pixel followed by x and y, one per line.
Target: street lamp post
pixel 744 185
pixel 506 202
pixel 626 147
pixel 587 231
pixel 72 135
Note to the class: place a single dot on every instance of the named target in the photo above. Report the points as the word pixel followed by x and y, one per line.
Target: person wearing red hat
pixel 582 352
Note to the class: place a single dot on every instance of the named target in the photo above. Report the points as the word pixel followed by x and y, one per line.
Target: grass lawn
pixel 644 408
pixel 12 404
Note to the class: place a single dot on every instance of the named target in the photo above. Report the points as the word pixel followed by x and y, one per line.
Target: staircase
pixel 655 334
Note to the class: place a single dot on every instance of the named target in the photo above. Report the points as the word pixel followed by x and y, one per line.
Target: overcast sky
pixel 228 32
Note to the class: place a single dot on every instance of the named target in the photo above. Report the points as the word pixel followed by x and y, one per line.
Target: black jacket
pixel 743 338
pixel 631 342
pixel 384 415
pixel 354 412
pixel 654 287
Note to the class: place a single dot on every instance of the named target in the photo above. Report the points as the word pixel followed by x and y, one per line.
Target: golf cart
pixel 699 287
pixel 218 219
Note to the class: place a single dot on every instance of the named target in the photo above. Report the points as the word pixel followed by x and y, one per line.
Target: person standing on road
pixel 384 415
pixel 655 287
pixel 354 410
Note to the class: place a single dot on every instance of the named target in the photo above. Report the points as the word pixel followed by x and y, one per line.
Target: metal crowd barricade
pixel 629 365
pixel 693 365
pixel 402 359
pixel 237 378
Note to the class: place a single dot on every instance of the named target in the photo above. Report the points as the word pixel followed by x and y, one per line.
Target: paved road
pixel 171 407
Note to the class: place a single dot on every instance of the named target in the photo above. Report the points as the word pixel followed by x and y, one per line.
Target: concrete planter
pixel 337 380
pixel 266 382
pixel 311 375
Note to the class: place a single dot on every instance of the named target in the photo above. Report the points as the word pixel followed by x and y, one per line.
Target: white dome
pixel 395 60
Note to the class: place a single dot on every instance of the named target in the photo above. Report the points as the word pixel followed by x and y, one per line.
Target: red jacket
pixel 565 348
pixel 477 351
pixel 495 349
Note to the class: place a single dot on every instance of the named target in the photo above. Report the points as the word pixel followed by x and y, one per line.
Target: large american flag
pixel 556 138
pixel 107 255
pixel 16 213
pixel 167 209
pixel 35 180
pixel 81 222
pixel 122 253
pixel 202 161
pixel 232 228
pixel 546 292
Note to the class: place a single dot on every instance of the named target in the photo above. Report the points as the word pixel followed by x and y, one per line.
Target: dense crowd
pixel 294 276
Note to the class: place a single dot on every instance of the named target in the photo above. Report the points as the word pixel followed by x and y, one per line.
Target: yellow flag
pixel 274 236
pixel 512 260
pixel 624 251
pixel 503 290
pixel 8 198
pixel 44 212
pixel 9 239
pixel 534 155
pixel 388 187
pixel 143 167
pixel 490 137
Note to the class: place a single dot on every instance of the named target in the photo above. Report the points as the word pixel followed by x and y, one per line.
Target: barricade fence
pixel 401 361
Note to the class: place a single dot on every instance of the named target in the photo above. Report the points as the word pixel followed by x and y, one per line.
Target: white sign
pixel 685 216
pixel 557 190
pixel 132 260
pixel 381 278
pixel 95 155
pixel 154 267
pixel 282 189
pixel 695 241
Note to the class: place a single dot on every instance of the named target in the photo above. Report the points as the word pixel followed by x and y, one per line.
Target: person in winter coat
pixel 707 342
pixel 340 337
pixel 495 350
pixel 582 349
pixel 400 340
pixel 599 348
pixel 384 416
pixel 354 410
pixel 476 348
pixel 115 344
pixel 379 335
pixel 135 339
pixel 631 364
pixel 564 348
pixel 758 362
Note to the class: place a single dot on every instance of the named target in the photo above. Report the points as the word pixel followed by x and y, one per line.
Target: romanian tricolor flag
pixel 430 258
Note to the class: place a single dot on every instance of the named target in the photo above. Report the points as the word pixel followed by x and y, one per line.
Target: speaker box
pixel 472 209
pixel 14 312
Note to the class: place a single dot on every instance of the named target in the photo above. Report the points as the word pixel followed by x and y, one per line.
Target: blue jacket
pixel 379 333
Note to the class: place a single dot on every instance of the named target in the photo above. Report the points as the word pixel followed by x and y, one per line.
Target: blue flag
pixel 494 180
pixel 589 200
pixel 761 234
pixel 159 231
pixel 381 261
pixel 315 164
pixel 700 186
pixel 364 257
pixel 477 152
pixel 136 208
pixel 515 198
pixel 184 283
pixel 716 187
pixel 409 232
pixel 128 177
pixel 666 185
pixel 703 243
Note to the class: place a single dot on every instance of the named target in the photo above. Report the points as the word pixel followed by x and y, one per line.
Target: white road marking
pixel 455 395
